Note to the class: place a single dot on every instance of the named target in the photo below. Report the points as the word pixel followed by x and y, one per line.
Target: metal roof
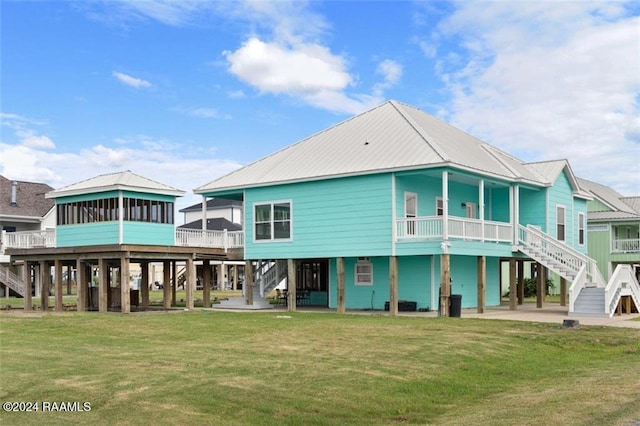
pixel 391 136
pixel 212 204
pixel 607 195
pixel 116 181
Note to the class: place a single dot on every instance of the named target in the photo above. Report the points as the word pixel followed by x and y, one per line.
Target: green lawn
pixel 207 367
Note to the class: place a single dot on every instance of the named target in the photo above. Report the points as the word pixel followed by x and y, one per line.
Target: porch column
pixel 45 279
pixel 514 212
pixel 292 284
pixel 69 269
pixel 81 286
pixel 57 266
pixel 26 279
pixel 520 282
pixel 540 290
pixel 340 290
pixel 37 282
pixel 125 295
pixel 204 213
pixel 190 283
pixel 445 210
pixel 563 291
pixel 247 288
pixel 393 285
pixel 166 285
pixel 481 208
pixel 219 276
pixel 144 285
pixel 482 283
pixel 206 284
pixel 445 284
pixel 235 277
pixel 513 299
pixel 103 285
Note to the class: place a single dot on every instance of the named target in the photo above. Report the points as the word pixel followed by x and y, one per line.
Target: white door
pixel 411 211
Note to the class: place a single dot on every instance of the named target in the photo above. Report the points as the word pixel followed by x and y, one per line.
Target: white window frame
pixel 582 234
pixel 359 277
pixel 440 201
pixel 272 221
pixel 563 223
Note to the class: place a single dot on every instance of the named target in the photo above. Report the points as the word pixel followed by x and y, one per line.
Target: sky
pixel 183 92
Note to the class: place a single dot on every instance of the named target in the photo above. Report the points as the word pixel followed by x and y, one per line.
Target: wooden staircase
pixel 11 280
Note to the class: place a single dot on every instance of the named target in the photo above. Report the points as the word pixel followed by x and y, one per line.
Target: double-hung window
pixel 364 271
pixel 272 221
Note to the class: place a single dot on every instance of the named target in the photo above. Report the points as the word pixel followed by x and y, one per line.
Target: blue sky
pixel 185 91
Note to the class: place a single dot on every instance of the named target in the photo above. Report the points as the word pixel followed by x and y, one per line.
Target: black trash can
pixel 455 305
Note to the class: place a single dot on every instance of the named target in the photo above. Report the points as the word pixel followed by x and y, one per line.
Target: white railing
pixel 29 239
pixel 215 239
pixel 628 245
pixel 559 252
pixel 10 279
pixel 579 282
pixel 622 282
pixel 274 274
pixel 458 228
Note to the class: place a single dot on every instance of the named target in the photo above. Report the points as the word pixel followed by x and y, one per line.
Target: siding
pixel 149 233
pixel 87 234
pixel 561 194
pixel 330 218
pixel 87 197
pixel 533 210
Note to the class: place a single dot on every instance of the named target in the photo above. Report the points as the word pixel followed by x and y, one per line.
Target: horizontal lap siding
pixel 533 208
pixel 330 218
pixel 149 233
pixel 87 234
pixel 87 197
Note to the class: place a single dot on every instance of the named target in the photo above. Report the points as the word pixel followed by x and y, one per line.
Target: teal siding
pixel 330 218
pixel 87 197
pixel 533 210
pixel 149 233
pixel 417 281
pixel 148 196
pixel 87 234
pixel 498 205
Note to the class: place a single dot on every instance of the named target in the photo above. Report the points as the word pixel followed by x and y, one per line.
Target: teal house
pixel 396 208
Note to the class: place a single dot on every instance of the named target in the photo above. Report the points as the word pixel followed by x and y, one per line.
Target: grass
pixel 223 368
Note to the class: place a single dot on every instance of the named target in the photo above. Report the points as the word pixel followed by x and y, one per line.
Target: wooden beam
pixel 125 295
pixel 206 284
pixel 57 266
pixel 563 291
pixel 166 285
pixel 26 279
pixel 103 285
pixel 445 284
pixel 292 285
pixel 173 282
pixel 190 283
pixel 248 282
pixel 520 282
pixel 340 290
pixel 540 285
pixel 144 284
pixel 393 285
pixel 482 283
pixel 81 286
pixel 513 299
pixel 45 279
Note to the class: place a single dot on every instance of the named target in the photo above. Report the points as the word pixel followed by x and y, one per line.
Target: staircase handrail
pixel 622 277
pixel 270 278
pixel 13 281
pixel 564 253
pixel 579 282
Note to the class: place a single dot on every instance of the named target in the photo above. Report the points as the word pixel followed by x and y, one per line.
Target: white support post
pixel 204 213
pixel 514 233
pixel 481 202
pixel 445 205
pixel 516 213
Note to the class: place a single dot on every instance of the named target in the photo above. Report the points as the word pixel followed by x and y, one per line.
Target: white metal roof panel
pixel 116 181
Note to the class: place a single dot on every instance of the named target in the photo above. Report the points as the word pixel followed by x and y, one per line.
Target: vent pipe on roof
pixel 14 193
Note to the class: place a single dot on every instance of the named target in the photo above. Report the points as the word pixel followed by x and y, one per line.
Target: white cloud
pixel 131 81
pixel 202 112
pixel 550 80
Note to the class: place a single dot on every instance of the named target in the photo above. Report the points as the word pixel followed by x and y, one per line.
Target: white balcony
pixel 626 245
pixel 431 227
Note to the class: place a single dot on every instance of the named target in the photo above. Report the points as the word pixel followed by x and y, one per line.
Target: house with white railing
pixel 105 228
pixel 394 208
pixel 26 218
pixel 613 228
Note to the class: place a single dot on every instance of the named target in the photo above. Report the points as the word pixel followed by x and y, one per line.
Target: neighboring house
pixel 23 207
pixel 395 204
pixel 613 228
pixel 231 210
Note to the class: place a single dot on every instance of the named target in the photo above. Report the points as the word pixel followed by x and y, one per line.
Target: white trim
pixel 121 218
pixel 411 226
pixel 584 229
pixel 564 222
pixel 445 205
pixel 481 204
pixel 394 234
